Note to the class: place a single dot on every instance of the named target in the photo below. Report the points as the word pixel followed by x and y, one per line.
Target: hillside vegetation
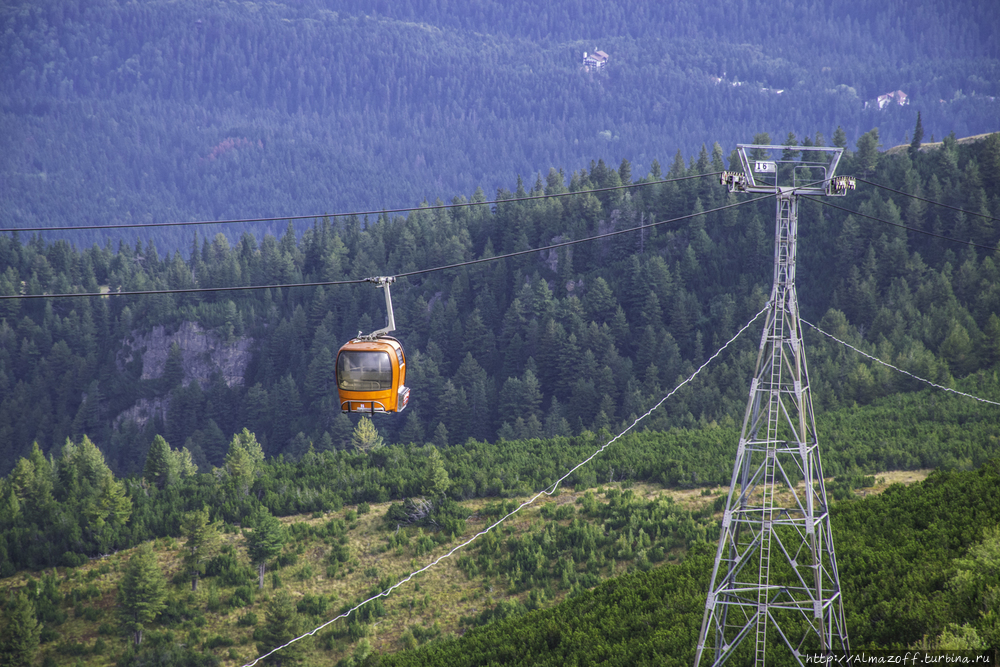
pixel 165 110
pixel 616 573
pixel 354 523
pixel 917 565
pixel 179 486
pixel 547 344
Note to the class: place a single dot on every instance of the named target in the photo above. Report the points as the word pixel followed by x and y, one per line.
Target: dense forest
pixel 544 344
pixel 136 112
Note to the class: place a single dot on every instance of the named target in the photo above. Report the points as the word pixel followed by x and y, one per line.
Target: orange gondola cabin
pixel 371 373
pixel 371 370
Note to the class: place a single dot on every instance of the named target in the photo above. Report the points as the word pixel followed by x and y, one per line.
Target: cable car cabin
pixel 370 375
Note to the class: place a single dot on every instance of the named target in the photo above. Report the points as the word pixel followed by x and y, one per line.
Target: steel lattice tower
pixel 775 575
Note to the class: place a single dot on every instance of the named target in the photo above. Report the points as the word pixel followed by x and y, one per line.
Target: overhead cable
pixel 197 290
pixel 589 238
pixel 929 201
pixel 895 368
pixel 902 226
pixel 410 209
pixel 547 491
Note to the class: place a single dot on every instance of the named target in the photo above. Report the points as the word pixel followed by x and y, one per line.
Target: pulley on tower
pixel 371 370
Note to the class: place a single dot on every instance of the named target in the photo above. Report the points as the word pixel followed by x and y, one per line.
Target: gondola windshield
pixel 364 371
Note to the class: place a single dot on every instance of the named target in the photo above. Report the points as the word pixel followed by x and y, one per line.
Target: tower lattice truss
pixel 775 578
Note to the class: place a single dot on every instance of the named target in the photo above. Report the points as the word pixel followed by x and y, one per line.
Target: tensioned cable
pixel 589 238
pixel 599 236
pixel 411 209
pixel 885 363
pixel 185 290
pixel 548 491
pixel 929 201
pixel 196 290
pixel 897 224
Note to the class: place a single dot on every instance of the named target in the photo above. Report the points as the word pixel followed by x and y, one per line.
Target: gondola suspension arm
pixel 383 281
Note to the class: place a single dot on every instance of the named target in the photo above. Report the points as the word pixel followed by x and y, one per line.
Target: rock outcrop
pixel 203 353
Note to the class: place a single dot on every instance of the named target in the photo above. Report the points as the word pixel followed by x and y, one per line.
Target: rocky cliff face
pixel 202 354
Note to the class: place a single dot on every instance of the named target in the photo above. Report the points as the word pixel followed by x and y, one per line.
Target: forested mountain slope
pixel 543 344
pixel 207 110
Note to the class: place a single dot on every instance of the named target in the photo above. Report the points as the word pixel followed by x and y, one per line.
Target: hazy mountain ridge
pixel 113 113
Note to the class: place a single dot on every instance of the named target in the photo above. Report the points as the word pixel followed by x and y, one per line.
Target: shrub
pixel 242 596
pixel 216 642
pixel 247 620
pixel 314 605
pixel 70 559
pixel 228 569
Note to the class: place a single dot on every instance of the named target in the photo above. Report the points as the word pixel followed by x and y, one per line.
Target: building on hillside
pixel 899 97
pixel 594 61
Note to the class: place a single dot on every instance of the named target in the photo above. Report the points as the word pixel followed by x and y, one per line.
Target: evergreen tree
pixel 441 435
pixel 264 541
pixel 365 437
pixel 625 172
pixel 141 593
pixel 839 138
pixel 413 430
pixel 281 625
pixel 19 632
pixel 436 481
pixel 202 540
pixel 341 431
pixel 868 155
pixel 918 136
pixel 173 371
pixel 161 468
pixel 244 458
pixel 184 462
pixel 109 511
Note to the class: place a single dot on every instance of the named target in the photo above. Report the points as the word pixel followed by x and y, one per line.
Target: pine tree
pixel 141 593
pixel 413 430
pixel 341 430
pixel 321 378
pixel 868 155
pixel 19 633
pixel 441 435
pixel 366 437
pixel 244 458
pixel 918 136
pixel 161 467
pixel 173 371
pixel 281 625
pixel 840 138
pixel 264 541
pixel 625 172
pixel 184 461
pixel 202 540
pixel 436 481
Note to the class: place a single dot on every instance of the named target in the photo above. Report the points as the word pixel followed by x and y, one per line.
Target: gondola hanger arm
pixel 384 281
